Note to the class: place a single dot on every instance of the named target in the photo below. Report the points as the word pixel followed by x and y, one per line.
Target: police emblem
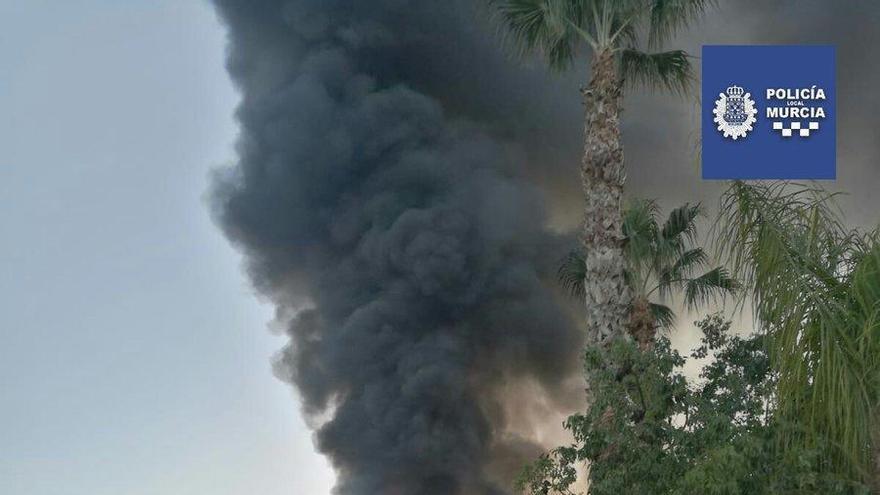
pixel 735 112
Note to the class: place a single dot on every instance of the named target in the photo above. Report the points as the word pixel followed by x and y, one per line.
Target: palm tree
pixel 659 260
pixel 612 31
pixel 816 293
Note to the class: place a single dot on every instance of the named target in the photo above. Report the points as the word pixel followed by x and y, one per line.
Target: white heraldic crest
pixel 735 112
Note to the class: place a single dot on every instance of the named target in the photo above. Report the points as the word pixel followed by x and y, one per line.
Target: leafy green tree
pixel 816 294
pixel 651 431
pixel 660 259
pixel 613 31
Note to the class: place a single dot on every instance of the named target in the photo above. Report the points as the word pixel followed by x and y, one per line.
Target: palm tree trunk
pixel 642 325
pixel 603 177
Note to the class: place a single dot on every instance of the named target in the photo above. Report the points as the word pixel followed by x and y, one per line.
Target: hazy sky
pixel 133 356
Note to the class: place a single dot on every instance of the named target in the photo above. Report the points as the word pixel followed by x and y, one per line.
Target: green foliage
pixel 543 25
pixel 558 28
pixel 660 259
pixel 663 315
pixel 572 273
pixel 816 289
pixel 706 287
pixel 553 473
pixel 669 70
pixel 664 259
pixel 650 431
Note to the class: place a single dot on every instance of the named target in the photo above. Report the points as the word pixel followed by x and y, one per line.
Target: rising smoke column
pixel 392 228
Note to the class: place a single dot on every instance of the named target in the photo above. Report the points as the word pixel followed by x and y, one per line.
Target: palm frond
pixel 814 285
pixel 678 273
pixel 671 70
pixel 548 27
pixel 708 287
pixel 640 228
pixel 572 273
pixel 679 230
pixel 624 29
pixel 682 222
pixel 663 315
pixel 866 281
pixel 670 16
pixel 628 15
pixel 692 258
pixel 640 233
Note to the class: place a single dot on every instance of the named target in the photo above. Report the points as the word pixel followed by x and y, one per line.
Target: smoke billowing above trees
pixel 396 235
pixel 395 175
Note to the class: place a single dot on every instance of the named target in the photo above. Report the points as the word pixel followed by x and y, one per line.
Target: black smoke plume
pixel 381 201
pixel 389 195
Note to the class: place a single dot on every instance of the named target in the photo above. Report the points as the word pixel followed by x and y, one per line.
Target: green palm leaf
pixel 640 229
pixel 549 27
pixel 681 270
pixel 572 273
pixel 671 70
pixel 682 222
pixel 693 258
pixel 708 287
pixel 557 28
pixel 658 259
pixel 663 315
pixel 679 230
pixel 815 288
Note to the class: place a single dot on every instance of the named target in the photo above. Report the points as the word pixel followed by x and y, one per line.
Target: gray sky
pixel 133 359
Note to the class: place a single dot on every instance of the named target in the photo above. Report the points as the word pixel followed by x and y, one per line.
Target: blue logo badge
pixel 769 112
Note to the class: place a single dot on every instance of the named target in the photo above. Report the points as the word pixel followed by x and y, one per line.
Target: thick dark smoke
pixel 395 174
pixel 380 201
